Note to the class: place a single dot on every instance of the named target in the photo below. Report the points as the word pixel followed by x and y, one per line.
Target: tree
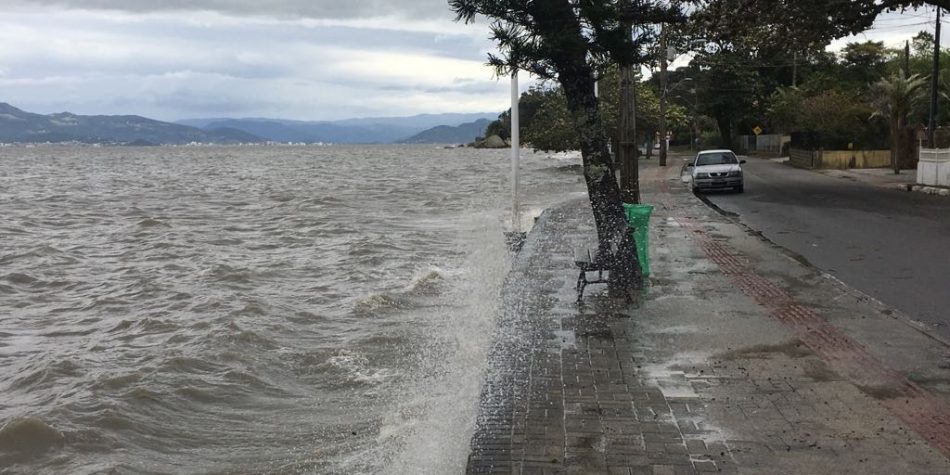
pixel 530 105
pixel 798 24
pixel 551 129
pixel 753 47
pixel 561 39
pixel 648 106
pixel 865 62
pixel 500 126
pixel 728 88
pixel 923 44
pixel 894 99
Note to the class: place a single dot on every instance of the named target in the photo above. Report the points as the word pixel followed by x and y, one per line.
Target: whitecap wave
pixel 356 368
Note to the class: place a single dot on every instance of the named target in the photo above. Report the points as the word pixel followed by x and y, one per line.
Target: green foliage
pixel 500 127
pixel 746 57
pixel 865 62
pixel 648 106
pixel 539 36
pixel 923 44
pixel 841 117
pixel 897 97
pixel 799 25
pixel 750 49
pixel 551 128
pixel 728 89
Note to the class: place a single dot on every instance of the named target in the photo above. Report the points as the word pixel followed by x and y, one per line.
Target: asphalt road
pixel 892 245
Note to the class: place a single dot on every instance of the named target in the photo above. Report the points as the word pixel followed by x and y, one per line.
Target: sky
pixel 290 59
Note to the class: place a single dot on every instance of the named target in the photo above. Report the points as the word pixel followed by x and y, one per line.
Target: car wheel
pixel 740 188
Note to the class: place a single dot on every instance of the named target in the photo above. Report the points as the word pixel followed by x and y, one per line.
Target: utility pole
pixel 795 69
pixel 663 83
pixel 906 59
pixel 932 123
pixel 629 169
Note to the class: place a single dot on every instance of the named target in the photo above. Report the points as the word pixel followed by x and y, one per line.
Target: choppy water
pixel 250 310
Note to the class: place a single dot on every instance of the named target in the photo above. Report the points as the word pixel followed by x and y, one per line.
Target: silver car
pixel 717 170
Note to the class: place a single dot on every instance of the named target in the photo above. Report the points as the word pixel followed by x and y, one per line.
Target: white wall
pixel 933 169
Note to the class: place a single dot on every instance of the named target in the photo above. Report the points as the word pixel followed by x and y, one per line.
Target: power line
pixel 898 27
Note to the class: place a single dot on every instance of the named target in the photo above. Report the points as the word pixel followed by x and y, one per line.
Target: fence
pixel 839 159
pixel 771 144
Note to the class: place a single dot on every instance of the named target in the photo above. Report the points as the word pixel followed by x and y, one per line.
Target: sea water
pixel 252 309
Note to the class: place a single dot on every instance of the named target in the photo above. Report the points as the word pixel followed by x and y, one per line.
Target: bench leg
pixel 581 283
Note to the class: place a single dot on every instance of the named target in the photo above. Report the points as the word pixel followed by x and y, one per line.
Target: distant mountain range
pixel 368 130
pixel 464 133
pixel 19 126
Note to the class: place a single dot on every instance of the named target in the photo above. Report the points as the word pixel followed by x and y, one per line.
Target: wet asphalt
pixel 892 245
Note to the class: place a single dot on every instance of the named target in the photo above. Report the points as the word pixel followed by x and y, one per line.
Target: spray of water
pixel 441 413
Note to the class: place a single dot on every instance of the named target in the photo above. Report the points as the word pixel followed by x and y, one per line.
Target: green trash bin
pixel 638 218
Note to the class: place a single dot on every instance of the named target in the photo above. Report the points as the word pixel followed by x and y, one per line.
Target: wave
pixel 356 368
pixel 48 376
pixel 226 273
pixel 20 279
pixel 152 223
pixel 29 437
pixel 248 337
pixel 426 284
pixel 112 383
pixel 145 326
pixel 379 302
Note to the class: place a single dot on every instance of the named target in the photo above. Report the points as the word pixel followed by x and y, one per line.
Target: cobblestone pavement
pixel 738 359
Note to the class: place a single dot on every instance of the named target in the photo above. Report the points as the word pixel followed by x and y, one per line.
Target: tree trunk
pixel 649 149
pixel 559 25
pixel 725 131
pixel 895 145
pixel 615 239
pixel 629 168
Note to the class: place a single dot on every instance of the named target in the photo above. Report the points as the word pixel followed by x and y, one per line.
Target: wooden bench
pixel 587 261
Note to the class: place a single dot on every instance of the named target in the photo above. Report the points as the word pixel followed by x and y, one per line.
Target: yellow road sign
pixel 757 130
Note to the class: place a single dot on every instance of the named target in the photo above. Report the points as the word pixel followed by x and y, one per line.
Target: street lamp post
pixel 664 57
pixel 515 153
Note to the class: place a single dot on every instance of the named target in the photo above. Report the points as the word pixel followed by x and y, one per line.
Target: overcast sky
pixel 295 59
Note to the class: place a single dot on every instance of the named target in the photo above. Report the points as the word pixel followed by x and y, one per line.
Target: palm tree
pixel 894 98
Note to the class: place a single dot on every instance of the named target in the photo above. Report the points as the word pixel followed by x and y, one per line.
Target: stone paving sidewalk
pixel 738 359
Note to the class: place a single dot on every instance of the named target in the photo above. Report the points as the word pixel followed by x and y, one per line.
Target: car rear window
pixel 723 158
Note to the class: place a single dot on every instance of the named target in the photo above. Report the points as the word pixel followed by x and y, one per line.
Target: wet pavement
pixel 738 359
pixel 887 243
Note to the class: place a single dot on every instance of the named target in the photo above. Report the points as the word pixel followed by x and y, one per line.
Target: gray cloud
pixel 315 9
pixel 170 65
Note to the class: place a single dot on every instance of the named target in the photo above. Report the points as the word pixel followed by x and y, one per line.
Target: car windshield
pixel 723 158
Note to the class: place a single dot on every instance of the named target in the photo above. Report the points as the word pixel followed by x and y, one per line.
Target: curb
pixel 925 189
